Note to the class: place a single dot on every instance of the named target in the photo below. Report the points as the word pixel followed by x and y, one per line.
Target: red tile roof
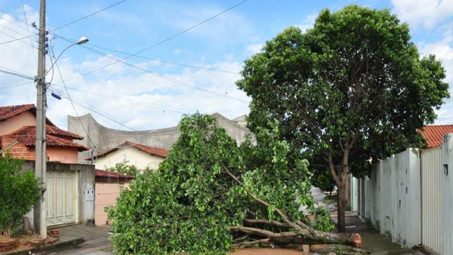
pixel 13 110
pixel 103 173
pixel 7 112
pixel 434 134
pixel 55 137
pixel 160 152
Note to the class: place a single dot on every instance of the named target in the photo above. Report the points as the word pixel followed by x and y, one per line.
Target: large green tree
pixel 209 194
pixel 353 87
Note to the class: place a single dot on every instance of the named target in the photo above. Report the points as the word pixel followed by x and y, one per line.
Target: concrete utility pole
pixel 40 214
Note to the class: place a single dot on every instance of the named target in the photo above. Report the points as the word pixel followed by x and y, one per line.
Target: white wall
pixel 432 199
pixel 447 159
pixel 132 155
pixel 392 197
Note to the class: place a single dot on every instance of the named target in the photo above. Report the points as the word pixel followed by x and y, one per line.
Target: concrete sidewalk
pixel 96 240
pixel 372 241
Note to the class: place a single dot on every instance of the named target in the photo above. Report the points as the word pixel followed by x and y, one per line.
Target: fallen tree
pixel 210 195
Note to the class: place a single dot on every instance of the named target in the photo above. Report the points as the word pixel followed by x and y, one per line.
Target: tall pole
pixel 40 214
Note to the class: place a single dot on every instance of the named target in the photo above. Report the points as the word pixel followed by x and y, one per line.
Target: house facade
pixel 69 187
pixel 100 138
pixel 139 155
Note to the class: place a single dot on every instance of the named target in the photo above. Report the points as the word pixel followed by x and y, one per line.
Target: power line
pixel 133 102
pixel 160 60
pixel 93 110
pixel 173 80
pixel 15 39
pixel 15 86
pixel 15 73
pixel 90 141
pixel 90 15
pixel 28 30
pixel 173 36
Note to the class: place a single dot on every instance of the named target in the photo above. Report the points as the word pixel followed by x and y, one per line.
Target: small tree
pixel 125 168
pixel 351 88
pixel 19 191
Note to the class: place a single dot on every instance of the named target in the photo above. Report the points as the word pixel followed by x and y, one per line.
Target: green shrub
pixel 19 191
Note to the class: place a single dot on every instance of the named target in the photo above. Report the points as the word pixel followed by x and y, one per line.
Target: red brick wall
pixel 19 150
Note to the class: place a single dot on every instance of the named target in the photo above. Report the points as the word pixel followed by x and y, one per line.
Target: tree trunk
pixel 341 205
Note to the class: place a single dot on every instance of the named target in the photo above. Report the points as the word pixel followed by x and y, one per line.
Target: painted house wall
pixel 130 155
pixel 16 122
pixel 54 154
pixel 63 155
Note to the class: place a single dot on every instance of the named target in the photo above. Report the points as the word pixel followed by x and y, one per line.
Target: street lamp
pixel 40 213
pixel 82 40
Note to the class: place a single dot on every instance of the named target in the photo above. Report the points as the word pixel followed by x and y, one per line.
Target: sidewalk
pixel 372 241
pixel 96 240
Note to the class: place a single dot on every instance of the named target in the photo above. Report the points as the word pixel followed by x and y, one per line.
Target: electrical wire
pixel 89 15
pixel 16 39
pixel 172 80
pixel 28 30
pixel 159 60
pixel 172 36
pixel 105 116
pixel 15 73
pixel 128 100
pixel 90 141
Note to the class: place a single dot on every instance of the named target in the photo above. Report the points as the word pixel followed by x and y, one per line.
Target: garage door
pixel 61 197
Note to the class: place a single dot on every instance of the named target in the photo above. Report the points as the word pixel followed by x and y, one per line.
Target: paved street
pixel 97 241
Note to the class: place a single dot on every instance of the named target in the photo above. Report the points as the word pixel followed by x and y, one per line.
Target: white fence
pixel 392 197
pixel 432 199
pixel 409 197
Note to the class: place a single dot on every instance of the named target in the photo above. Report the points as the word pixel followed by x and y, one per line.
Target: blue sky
pixel 151 91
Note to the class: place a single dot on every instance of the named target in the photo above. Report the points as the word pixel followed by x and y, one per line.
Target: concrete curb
pixel 55 246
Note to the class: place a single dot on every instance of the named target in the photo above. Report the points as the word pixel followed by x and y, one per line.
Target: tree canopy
pixel 351 88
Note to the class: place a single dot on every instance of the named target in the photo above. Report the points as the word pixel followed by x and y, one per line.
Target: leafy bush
pixel 124 168
pixel 189 205
pixel 19 191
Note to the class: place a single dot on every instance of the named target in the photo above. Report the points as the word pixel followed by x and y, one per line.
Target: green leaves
pixel 355 76
pixel 19 191
pixel 188 205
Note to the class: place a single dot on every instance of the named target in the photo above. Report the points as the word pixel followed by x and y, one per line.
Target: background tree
pixel 19 191
pixel 351 88
pixel 209 194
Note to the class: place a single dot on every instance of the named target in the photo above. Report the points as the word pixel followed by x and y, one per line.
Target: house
pixel 109 184
pixel 138 155
pixel 100 138
pixel 69 187
pixel 18 136
pixel 434 134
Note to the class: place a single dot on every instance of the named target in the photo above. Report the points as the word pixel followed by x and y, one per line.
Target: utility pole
pixel 40 213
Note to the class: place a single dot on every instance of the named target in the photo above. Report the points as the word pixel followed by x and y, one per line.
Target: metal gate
pixel 61 201
pixel 432 200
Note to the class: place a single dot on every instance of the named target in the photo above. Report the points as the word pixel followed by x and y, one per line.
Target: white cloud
pixel 444 52
pixel 427 13
pixel 140 100
pixel 308 22
pixel 252 49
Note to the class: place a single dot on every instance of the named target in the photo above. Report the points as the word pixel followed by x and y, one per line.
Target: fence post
pixel 447 165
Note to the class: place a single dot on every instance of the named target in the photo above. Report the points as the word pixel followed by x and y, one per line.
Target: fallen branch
pixel 300 229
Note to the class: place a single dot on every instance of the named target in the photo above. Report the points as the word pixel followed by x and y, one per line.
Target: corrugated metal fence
pixel 392 197
pixel 408 197
pixel 432 199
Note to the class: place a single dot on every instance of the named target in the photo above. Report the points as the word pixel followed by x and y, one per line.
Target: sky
pixel 149 62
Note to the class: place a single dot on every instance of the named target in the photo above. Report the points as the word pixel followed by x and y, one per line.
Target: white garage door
pixel 61 197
